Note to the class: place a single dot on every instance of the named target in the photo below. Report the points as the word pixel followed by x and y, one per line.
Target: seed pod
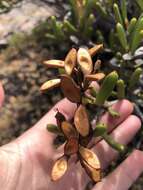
pixel 59 168
pixel 135 77
pixel 95 77
pixel 68 130
pixel 71 147
pixel 59 118
pixel 54 64
pixel 81 121
pixel 84 141
pixel 84 61
pixel 97 65
pixel 89 157
pixel 122 36
pixel 94 174
pixel 70 89
pixel 106 88
pixel 70 61
pixel 50 84
pixel 53 129
pixel 94 50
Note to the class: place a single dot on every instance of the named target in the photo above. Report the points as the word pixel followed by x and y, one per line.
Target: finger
pixel 42 138
pixel 125 174
pixel 66 107
pixel 122 134
pixel 1 95
pixel 124 108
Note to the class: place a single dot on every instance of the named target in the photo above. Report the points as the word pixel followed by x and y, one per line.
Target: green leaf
pixel 57 28
pixel 124 11
pixel 140 3
pixel 132 24
pixel 136 37
pixel 114 144
pixel 135 78
pixel 106 88
pixel 122 36
pixel 120 89
pixel 100 129
pixel 117 14
pixel 74 10
pixel 53 129
pixel 101 9
pixel 113 113
pixel 88 29
pixel 69 27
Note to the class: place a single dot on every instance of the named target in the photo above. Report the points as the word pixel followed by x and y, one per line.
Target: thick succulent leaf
pixel 70 61
pixel 81 121
pixel 48 85
pixel 94 50
pixel 71 147
pixel 59 168
pixel 94 174
pixel 89 157
pixel 54 63
pixel 84 60
pixel 106 88
pixel 68 130
pixel 70 89
pixel 95 77
pixel 53 129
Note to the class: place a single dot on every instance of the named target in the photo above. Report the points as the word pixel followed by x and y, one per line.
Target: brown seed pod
pixel 54 63
pixel 94 50
pixel 70 61
pixel 89 157
pixel 70 89
pixel 48 85
pixel 81 121
pixel 95 77
pixel 59 168
pixel 59 118
pixel 94 174
pixel 84 141
pixel 68 130
pixel 97 65
pixel 71 147
pixel 84 60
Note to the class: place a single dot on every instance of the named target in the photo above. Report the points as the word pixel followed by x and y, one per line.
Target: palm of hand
pixel 26 162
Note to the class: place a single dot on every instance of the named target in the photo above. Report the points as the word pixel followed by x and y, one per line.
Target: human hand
pixel 27 161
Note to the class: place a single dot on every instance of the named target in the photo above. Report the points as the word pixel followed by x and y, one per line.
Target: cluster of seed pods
pixel 76 85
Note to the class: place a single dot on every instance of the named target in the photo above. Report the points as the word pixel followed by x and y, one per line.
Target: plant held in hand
pixel 78 85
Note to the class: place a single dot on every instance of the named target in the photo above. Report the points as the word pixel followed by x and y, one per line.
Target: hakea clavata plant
pixel 76 85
